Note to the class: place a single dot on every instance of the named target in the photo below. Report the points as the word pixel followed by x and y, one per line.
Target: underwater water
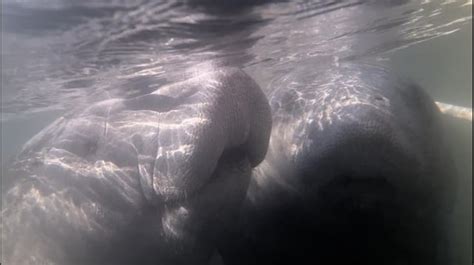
pixel 62 55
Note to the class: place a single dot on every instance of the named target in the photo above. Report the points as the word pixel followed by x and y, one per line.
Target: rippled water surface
pixel 59 55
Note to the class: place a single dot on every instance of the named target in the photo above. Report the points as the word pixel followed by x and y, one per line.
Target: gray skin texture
pixel 149 180
pixel 356 173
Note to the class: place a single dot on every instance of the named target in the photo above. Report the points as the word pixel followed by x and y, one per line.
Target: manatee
pixel 146 180
pixel 357 172
pixel 340 163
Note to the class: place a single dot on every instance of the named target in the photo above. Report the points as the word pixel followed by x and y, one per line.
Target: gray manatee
pixel 357 172
pixel 147 180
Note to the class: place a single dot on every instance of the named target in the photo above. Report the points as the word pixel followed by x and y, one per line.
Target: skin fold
pixel 356 172
pixel 142 180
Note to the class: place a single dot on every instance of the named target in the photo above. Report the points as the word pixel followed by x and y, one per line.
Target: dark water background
pixel 61 55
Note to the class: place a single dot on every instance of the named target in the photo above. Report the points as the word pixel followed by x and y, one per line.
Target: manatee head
pixel 153 178
pixel 356 173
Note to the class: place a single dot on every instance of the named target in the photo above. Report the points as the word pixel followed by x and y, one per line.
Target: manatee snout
pixel 357 173
pixel 378 177
pixel 369 197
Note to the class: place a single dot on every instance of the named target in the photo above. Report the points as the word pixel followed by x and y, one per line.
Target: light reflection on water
pixel 59 55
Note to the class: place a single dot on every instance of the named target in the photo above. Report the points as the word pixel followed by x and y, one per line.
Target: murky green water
pixel 443 66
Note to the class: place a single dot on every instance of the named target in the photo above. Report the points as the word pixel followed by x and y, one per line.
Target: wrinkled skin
pixel 147 180
pixel 356 173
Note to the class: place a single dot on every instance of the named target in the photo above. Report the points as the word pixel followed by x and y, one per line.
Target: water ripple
pixel 63 54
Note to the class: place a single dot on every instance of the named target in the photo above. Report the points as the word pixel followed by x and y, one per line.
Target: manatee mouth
pixel 234 159
pixel 233 163
pixel 367 198
pixel 359 195
pixel 371 221
pixel 364 179
pixel 215 204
